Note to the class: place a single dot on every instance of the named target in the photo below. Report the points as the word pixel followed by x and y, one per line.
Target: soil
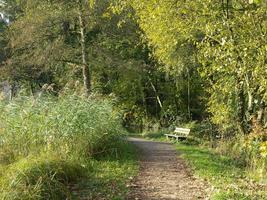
pixel 164 175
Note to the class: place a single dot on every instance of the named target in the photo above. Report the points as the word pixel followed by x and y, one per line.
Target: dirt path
pixel 163 175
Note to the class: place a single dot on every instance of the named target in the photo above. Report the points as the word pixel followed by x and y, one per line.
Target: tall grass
pixel 45 143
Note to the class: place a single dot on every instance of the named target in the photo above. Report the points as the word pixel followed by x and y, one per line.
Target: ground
pixel 164 175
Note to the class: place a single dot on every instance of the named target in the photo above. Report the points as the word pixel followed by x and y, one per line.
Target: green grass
pixel 49 177
pixel 50 147
pixel 39 178
pixel 227 176
pixel 109 176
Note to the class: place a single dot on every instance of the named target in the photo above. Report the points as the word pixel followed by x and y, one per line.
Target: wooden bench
pixel 179 133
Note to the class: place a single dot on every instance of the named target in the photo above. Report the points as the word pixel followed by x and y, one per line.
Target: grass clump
pixel 48 144
pixel 70 125
pixel 40 178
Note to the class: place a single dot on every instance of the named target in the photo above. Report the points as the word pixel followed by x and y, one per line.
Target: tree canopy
pixel 161 59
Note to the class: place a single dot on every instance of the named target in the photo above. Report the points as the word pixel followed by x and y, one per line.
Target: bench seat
pixel 179 133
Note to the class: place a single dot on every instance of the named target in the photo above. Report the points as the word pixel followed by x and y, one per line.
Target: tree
pixel 226 45
pixel 47 36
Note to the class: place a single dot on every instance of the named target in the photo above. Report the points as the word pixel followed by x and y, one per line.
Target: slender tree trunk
pixel 86 70
pixel 12 91
pixel 176 106
pixel 241 107
pixel 156 93
pixel 250 102
pixel 175 97
pixel 223 9
pixel 227 9
pixel 250 96
pixel 188 93
pixel 260 113
pixel 31 88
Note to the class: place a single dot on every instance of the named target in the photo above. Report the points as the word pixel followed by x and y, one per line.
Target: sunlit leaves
pixel 230 40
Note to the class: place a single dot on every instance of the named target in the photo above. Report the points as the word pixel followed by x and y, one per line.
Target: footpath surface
pixel 164 175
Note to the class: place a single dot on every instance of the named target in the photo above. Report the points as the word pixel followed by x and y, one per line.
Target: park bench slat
pixel 182 130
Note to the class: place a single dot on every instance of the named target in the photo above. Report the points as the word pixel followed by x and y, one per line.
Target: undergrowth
pixel 49 144
pixel 227 176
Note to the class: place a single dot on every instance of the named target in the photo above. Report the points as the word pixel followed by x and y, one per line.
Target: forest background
pixel 198 64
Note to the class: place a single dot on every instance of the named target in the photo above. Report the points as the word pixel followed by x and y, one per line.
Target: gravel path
pixel 164 175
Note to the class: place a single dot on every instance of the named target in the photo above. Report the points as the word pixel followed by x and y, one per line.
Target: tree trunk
pixel 12 91
pixel 260 113
pixel 250 105
pixel 86 70
pixel 156 93
pixel 31 88
pixel 241 107
pixel 188 94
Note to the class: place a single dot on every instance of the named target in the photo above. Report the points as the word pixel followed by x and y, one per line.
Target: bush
pixel 248 150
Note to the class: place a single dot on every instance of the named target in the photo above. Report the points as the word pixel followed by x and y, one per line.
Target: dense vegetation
pixel 224 44
pixel 48 144
pixel 87 67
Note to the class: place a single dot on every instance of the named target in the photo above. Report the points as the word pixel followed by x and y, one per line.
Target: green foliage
pixel 249 150
pixel 119 57
pixel 226 38
pixel 166 62
pixel 48 143
pixel 3 41
pixel 40 178
pixel 51 177
pixel 31 126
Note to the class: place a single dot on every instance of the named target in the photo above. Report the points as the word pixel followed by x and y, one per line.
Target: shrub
pixel 248 150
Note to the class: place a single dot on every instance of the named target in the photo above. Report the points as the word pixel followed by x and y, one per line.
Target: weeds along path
pixel 163 175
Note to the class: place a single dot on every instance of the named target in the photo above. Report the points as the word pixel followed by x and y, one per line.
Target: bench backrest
pixel 184 131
